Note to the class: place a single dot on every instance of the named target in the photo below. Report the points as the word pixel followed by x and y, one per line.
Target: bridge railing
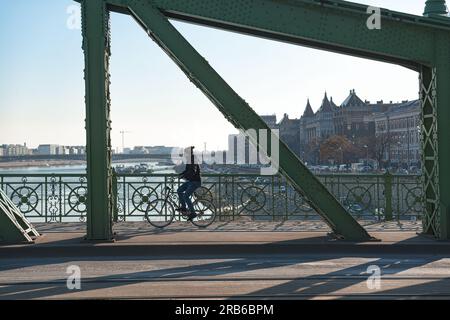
pixel 62 197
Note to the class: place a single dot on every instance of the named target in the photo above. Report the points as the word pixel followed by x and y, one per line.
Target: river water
pixel 79 169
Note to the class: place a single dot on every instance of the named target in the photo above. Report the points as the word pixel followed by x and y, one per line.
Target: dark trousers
pixel 184 194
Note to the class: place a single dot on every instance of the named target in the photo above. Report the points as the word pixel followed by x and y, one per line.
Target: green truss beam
pixel 238 112
pixel 337 26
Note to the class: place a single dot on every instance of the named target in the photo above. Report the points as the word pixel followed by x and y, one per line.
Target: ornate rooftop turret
pixel 333 105
pixel 326 105
pixel 308 111
pixel 435 7
pixel 352 100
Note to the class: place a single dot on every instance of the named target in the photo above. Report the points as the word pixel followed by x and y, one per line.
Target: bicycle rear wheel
pixel 206 213
pixel 160 213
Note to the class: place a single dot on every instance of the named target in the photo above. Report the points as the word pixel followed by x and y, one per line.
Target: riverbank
pixel 61 163
pixel 40 163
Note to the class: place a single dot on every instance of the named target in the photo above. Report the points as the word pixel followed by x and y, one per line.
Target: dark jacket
pixel 191 173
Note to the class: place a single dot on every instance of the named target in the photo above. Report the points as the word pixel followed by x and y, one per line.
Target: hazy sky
pixel 42 89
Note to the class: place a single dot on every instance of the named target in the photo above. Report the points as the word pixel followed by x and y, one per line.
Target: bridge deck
pixel 265 260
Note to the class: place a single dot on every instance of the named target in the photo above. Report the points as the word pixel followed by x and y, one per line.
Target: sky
pixel 42 88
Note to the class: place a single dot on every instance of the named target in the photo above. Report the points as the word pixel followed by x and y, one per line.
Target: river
pixel 79 169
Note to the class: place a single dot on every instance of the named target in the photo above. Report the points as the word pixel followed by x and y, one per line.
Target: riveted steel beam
pixel 337 26
pixel 238 112
pixel 95 18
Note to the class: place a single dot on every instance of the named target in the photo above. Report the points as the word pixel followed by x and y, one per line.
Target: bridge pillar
pixel 435 99
pixel 435 132
pixel 96 46
pixel 443 112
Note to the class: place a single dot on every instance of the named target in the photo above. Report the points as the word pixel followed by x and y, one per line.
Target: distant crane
pixel 123 132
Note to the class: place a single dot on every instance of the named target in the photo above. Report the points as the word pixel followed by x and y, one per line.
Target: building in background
pixel 12 150
pixel 47 149
pixel 352 118
pixel 399 130
pixel 159 150
pixel 307 125
pixel 139 150
pixel 270 120
pixel 74 150
pixel 290 133
pixel 56 149
pixel 390 128
pixel 62 150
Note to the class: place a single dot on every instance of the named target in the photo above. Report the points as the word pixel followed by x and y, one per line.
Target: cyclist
pixel 193 181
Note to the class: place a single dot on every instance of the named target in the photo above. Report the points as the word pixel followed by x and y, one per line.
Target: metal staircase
pixel 14 227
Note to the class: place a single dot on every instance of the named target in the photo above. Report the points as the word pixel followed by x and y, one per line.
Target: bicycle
pixel 161 211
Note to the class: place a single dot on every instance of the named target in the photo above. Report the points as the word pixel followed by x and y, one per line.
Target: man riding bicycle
pixel 193 181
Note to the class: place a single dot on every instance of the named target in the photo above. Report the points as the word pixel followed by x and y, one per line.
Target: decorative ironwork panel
pixel 362 195
pixel 48 198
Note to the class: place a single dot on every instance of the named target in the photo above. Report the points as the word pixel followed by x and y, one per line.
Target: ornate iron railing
pixel 48 198
pixel 62 197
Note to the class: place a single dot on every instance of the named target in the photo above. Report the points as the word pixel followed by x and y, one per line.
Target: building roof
pixel 287 122
pixel 352 100
pixel 326 105
pixel 399 108
pixel 405 107
pixel 335 107
pixel 272 117
pixel 270 120
pixel 308 111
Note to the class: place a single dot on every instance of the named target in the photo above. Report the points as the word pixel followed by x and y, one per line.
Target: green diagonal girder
pixel 238 112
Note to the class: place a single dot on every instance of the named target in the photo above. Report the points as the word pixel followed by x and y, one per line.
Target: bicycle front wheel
pixel 206 213
pixel 160 213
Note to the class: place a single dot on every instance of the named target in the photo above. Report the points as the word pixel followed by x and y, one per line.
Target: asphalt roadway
pixel 226 265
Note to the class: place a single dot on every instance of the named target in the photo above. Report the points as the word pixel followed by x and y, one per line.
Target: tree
pixel 382 144
pixel 338 149
pixel 312 152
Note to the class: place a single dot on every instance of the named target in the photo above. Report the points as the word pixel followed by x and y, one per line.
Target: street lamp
pixel 367 154
pixel 400 154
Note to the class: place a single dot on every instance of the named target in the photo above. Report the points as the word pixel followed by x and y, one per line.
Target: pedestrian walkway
pixel 244 225
pixel 231 237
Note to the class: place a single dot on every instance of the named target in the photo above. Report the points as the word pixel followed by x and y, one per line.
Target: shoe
pixel 191 216
pixel 184 212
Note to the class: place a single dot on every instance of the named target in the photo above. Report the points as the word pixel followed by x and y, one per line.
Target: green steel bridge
pixel 420 43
